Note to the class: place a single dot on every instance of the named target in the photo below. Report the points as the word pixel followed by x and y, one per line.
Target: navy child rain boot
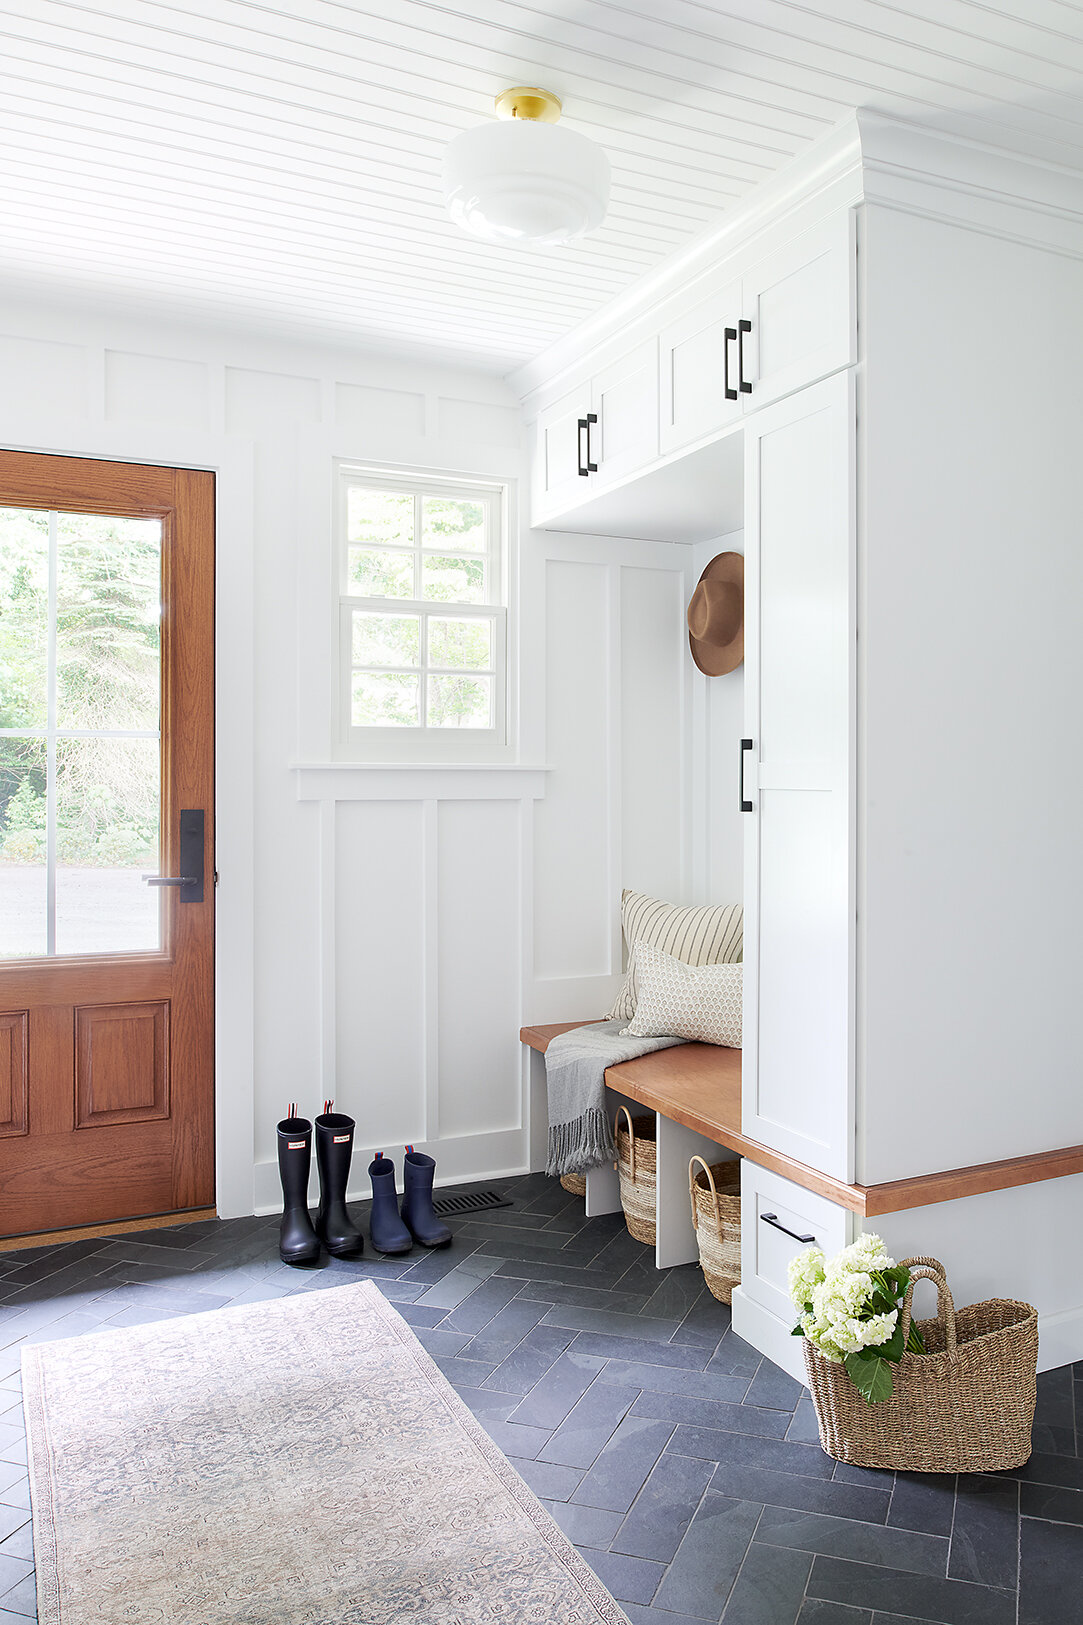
pixel 417 1208
pixel 387 1232
pixel 298 1243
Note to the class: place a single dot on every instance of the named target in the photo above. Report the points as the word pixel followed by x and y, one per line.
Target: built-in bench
pixel 699 1087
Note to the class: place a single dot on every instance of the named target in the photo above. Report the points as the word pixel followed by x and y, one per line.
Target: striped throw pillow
pixel 697 1002
pixel 695 936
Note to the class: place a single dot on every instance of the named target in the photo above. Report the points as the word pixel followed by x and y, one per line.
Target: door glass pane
pixel 23 870
pixel 107 622
pixel 24 617
pixel 107 800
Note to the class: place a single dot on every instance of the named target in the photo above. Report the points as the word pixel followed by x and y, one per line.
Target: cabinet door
pixel 801 303
pixel 799 676
pixel 625 398
pixel 558 482
pixel 693 362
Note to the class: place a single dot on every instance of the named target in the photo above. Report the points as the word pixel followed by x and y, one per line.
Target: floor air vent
pixel 472 1202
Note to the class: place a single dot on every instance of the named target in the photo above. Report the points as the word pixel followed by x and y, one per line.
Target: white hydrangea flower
pixel 805 1271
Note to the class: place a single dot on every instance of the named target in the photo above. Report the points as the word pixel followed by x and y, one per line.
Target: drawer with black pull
pixel 779 1219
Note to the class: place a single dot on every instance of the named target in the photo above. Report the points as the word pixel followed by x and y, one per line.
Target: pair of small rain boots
pixel 391 1232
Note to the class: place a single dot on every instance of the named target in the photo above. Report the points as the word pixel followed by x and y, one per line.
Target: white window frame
pixel 423 744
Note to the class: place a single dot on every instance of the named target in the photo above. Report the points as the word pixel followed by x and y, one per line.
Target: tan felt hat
pixel 716 616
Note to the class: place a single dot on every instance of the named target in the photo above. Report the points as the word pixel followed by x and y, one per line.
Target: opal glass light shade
pixel 522 181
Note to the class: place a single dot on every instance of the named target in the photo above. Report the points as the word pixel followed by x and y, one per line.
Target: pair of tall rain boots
pixel 391 1231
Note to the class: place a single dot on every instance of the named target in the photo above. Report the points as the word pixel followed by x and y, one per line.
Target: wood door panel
pixel 107 1059
pixel 121 1064
pixel 14 1073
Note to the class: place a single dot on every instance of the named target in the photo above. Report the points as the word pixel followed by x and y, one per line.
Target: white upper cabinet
pixel 699 384
pixel 561 453
pixel 800 302
pixel 796 772
pixel 624 400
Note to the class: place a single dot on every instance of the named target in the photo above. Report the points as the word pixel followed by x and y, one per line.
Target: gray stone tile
pixel 663 1509
pixel 639 1349
pixel 769 1588
pixel 814 1611
pixel 476 1310
pixel 22 1598
pixel 847 1537
pixel 20 1543
pixel 629 1579
pixel 923 1501
pixel 12 1518
pixel 418 1314
pixel 1052 1502
pixel 705 1324
pixel 400 1293
pixel 878 1478
pixel 527 1364
pixel 485 1402
pixel 677 1292
pixel 620 1471
pixel 745 1449
pixel 523 1443
pixel 604 1320
pixel 645 1615
pixel 450 1290
pixel 662 1379
pixel 800 1494
pixel 712 1413
pixel 803 1427
pixel 774 1388
pixel 17 1495
pixel 1050 1564
pixel 985 1534
pixel 504 1331
pixel 464 1373
pixel 584 1526
pixel 706 1564
pixel 438 1342
pixel 548 1480
pixel 553 1395
pixel 587 1297
pixel 12 1570
pixel 588 1426
pixel 736 1356
pixel 1043 1468
pixel 921 1596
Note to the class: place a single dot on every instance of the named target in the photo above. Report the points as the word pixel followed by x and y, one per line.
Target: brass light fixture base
pixel 527 102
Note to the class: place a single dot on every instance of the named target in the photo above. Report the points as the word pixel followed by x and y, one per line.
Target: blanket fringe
pixel 585 1142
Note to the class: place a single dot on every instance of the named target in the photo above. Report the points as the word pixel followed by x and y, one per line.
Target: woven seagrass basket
pixel 637 1169
pixel 964 1406
pixel 715 1194
pixel 574 1184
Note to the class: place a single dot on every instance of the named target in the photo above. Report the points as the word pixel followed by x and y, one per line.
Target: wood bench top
pixel 699 1085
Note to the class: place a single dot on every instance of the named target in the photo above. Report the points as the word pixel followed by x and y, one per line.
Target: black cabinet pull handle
pixel 581 425
pixel 743 384
pixel 729 335
pixel 773 1218
pixel 591 417
pixel 746 806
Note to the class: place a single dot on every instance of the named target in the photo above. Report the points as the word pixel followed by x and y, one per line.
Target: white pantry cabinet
pixel 598 433
pixel 795 767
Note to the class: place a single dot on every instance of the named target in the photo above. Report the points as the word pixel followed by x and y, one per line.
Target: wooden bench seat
pixel 699 1085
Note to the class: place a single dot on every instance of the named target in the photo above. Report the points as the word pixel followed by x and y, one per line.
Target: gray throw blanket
pixel 580 1134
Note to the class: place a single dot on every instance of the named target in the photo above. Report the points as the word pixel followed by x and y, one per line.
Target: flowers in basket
pixel 850 1309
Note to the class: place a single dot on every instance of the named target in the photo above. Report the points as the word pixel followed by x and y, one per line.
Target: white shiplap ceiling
pixel 276 163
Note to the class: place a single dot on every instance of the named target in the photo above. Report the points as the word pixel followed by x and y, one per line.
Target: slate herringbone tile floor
pixel 684 1467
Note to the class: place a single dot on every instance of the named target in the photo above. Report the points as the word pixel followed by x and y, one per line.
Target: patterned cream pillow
pixel 695 936
pixel 699 1002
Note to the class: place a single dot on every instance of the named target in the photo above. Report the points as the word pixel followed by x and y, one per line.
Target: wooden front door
pixel 106 785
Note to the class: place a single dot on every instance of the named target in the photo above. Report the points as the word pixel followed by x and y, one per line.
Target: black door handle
pixel 746 806
pixel 592 417
pixel 743 384
pixel 728 336
pixel 190 880
pixel 583 426
pixel 773 1219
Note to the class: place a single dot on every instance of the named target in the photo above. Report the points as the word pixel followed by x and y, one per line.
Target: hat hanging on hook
pixel 716 616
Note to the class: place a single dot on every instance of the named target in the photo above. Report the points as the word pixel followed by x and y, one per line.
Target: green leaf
pixel 798 1331
pixel 870 1376
pixel 893 1348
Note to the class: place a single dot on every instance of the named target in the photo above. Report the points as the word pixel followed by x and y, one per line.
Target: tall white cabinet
pixel 911 786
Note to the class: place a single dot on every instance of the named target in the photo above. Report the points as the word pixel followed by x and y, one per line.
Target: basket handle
pixel 631 1140
pixel 692 1192
pixel 930 1269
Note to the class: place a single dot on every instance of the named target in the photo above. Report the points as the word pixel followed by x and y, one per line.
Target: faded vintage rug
pixel 295 1462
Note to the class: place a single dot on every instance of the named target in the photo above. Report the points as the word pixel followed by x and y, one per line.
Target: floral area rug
pixel 294 1462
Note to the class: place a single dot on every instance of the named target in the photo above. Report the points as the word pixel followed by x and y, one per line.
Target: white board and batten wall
pixel 912 872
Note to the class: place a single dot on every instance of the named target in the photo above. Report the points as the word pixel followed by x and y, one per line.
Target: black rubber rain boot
pixel 334 1147
pixel 417 1208
pixel 298 1242
pixel 387 1232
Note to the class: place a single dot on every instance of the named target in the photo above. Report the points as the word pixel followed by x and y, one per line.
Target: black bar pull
pixel 773 1218
pixel 592 417
pixel 743 327
pixel 581 430
pixel 190 879
pixel 746 806
pixel 729 335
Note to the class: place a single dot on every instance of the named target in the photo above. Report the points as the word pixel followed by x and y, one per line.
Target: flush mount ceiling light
pixel 525 179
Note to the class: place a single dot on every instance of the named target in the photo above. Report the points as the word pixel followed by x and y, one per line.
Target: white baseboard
pixel 768 1334
pixel 1060 1338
